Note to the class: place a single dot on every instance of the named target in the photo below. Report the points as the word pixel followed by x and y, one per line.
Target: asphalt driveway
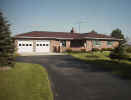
pixel 73 79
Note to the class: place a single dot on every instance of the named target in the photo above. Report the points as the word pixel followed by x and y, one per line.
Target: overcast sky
pixel 61 15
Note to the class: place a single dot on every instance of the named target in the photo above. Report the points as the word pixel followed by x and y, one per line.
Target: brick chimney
pixel 72 30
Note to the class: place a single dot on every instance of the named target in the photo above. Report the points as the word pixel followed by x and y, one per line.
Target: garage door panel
pixel 43 46
pixel 25 46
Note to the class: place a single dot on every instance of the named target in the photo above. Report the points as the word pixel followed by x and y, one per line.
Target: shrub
pixel 119 53
pixel 95 49
pixel 128 49
pixel 119 56
pixel 83 50
pixel 106 49
pixel 69 50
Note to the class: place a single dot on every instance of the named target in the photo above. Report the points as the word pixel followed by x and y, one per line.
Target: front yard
pixel 102 61
pixel 25 82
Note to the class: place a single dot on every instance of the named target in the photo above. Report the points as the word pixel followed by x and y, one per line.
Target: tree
pixel 117 33
pixel 6 44
pixel 93 31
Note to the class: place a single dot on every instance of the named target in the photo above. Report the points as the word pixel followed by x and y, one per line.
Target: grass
pixel 102 61
pixel 25 82
pixel 129 55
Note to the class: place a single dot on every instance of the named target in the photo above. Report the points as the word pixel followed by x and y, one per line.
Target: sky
pixel 102 16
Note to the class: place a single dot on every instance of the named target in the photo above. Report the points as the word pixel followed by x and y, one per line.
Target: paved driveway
pixel 73 79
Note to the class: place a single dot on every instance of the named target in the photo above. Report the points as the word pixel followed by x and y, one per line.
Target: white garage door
pixel 25 46
pixel 42 46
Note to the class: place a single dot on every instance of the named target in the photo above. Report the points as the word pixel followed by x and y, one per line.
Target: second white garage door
pixel 42 46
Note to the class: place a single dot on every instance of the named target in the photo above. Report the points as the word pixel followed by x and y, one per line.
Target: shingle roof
pixel 96 35
pixel 49 34
pixel 64 35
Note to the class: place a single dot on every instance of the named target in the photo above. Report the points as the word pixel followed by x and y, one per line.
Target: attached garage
pixel 42 46
pixel 25 46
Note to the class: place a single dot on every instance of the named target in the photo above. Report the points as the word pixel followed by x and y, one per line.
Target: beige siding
pixel 89 45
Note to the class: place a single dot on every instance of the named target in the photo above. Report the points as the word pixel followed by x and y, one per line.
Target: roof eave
pixel 20 37
pixel 103 38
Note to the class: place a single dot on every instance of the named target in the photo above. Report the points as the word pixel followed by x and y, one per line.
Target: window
pixel 26 44
pixel 63 43
pixel 37 44
pixel 40 44
pixel 30 44
pixel 19 44
pixel 23 44
pixel 43 44
pixel 109 42
pixel 97 42
pixel 77 43
pixel 46 44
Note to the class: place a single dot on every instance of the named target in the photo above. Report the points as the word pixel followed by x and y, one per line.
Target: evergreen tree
pixel 6 44
pixel 119 52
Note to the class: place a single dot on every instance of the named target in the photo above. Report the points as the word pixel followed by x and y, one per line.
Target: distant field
pixel 102 61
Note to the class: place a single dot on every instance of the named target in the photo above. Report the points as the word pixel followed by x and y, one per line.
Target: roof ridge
pixel 53 32
pixel 36 32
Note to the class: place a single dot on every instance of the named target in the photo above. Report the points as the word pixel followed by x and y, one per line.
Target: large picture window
pixel 77 43
pixel 109 42
pixel 97 42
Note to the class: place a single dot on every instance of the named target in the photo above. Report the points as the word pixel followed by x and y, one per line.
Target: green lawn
pixel 25 82
pixel 102 61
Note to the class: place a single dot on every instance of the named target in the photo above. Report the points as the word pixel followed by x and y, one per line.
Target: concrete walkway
pixel 73 79
pixel 37 54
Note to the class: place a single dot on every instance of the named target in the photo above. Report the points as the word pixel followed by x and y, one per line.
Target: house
pixel 43 41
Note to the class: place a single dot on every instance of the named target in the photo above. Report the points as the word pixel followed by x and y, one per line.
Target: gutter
pixel 42 38
pixel 68 38
pixel 104 38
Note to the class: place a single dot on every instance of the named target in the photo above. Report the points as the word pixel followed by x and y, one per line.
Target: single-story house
pixel 43 41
